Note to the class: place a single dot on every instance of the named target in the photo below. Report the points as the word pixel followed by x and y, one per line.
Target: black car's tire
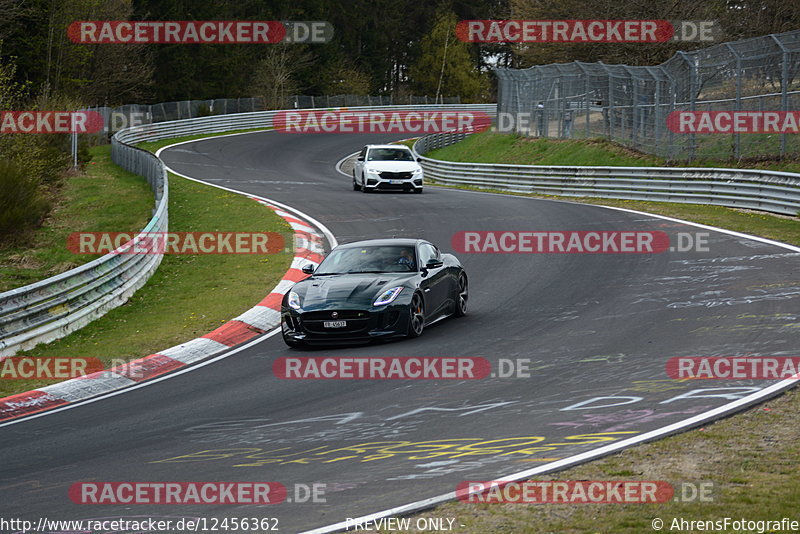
pixel 416 320
pixel 356 187
pixel 462 295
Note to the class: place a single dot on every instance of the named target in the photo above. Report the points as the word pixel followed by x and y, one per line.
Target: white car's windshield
pixel 390 154
pixel 374 259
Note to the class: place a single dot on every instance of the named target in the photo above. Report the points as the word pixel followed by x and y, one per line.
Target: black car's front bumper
pixel 307 327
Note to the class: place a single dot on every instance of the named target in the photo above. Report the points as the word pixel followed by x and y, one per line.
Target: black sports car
pixel 374 289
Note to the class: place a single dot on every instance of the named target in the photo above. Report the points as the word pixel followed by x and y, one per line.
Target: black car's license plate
pixel 334 324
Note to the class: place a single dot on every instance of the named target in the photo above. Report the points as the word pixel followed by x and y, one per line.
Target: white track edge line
pixel 341 161
pixel 328 234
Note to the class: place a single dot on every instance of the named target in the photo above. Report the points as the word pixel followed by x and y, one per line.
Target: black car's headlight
pixel 293 301
pixel 387 296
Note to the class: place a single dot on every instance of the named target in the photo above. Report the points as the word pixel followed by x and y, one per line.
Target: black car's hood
pixel 352 289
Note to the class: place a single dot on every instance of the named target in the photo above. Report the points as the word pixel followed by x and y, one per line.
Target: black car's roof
pixel 401 242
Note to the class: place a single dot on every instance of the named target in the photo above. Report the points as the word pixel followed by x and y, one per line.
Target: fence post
pixel 738 101
pixel 692 99
pixel 634 108
pixel 610 107
pixel 586 101
pixel 784 85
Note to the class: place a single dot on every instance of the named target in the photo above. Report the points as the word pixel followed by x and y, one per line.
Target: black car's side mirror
pixel 308 269
pixel 433 264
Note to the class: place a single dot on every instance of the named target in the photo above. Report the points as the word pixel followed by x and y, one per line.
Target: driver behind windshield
pixel 407 259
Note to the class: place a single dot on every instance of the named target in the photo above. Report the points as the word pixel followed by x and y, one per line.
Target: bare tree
pixel 275 75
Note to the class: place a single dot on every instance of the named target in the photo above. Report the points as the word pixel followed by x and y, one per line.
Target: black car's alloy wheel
pixel 416 323
pixel 462 296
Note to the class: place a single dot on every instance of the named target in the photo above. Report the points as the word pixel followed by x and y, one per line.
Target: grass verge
pixel 104 198
pixel 751 458
pixel 189 295
pixel 492 147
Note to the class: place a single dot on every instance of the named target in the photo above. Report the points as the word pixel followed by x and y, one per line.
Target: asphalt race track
pixel 597 329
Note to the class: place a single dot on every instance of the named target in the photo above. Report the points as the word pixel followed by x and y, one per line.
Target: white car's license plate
pixel 334 324
pixel 395 182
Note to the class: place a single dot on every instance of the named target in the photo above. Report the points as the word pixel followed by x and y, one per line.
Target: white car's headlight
pixel 294 300
pixel 418 170
pixel 387 296
pixel 372 171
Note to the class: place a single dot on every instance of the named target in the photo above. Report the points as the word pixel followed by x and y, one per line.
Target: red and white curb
pixel 264 316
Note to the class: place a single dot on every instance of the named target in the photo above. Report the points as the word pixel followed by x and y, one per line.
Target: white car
pixel 387 167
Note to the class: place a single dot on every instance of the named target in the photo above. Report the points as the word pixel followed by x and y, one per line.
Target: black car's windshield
pixel 373 259
pixel 390 154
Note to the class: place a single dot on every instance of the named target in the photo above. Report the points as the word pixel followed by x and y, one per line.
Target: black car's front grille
pixel 328 315
pixel 386 175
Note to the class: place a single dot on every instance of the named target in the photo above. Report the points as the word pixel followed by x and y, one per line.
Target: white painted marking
pixel 193 350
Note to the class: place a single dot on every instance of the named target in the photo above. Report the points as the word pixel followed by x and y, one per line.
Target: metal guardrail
pixel 772 191
pixel 258 119
pixel 120 117
pixel 52 308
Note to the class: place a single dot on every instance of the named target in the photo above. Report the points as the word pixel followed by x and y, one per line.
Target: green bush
pixel 22 203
